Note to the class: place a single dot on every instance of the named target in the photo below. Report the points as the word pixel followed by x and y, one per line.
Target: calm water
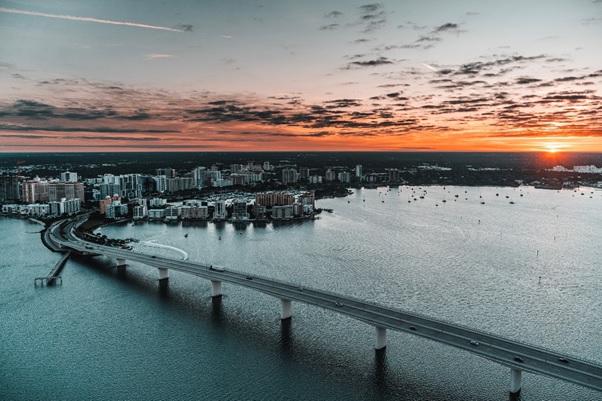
pixel 104 335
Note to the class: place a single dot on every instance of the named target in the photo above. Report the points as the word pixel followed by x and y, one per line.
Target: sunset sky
pixel 122 75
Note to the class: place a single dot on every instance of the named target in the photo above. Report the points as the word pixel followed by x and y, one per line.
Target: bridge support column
pixel 286 309
pixel 381 338
pixel 163 273
pixel 120 264
pixel 216 288
pixel 515 381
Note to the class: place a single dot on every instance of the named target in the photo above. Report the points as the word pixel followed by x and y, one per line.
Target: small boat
pixel 220 237
pixel 186 235
pixel 482 203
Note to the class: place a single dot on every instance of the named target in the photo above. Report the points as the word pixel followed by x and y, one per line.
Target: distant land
pixel 420 168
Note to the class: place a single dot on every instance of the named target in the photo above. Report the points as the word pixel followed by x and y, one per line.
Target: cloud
pixel 158 56
pixel 373 16
pixel 371 63
pixel 476 67
pixel 527 80
pixel 429 39
pixel 329 27
pixel 591 21
pixel 446 27
pixel 185 27
pixel 371 8
pixel 9 127
pixel 333 14
pixel 87 19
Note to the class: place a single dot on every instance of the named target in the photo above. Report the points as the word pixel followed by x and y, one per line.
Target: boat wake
pixel 153 244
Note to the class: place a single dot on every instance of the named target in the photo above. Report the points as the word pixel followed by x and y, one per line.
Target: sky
pixel 280 75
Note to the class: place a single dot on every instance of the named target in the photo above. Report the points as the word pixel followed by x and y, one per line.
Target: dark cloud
pixel 355 56
pixel 33 110
pixel 185 27
pixel 371 63
pixel 371 8
pixel 29 109
pixel 374 25
pixel 428 39
pixel 410 46
pixel 566 96
pixel 476 67
pixel 391 85
pixel 329 27
pixel 343 103
pixel 527 80
pixel 333 14
pixel 568 79
pixel 9 127
pixel 446 27
pixel 373 16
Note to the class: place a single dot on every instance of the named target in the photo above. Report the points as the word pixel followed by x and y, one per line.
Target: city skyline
pixel 300 76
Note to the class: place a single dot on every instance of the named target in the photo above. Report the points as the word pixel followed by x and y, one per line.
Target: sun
pixel 552 147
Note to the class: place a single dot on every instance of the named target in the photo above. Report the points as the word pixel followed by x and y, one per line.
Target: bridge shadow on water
pixel 377 380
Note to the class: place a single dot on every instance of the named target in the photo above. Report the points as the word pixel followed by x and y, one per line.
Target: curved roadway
pixel 498 349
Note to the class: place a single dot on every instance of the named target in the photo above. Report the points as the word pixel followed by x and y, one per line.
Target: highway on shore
pixel 510 353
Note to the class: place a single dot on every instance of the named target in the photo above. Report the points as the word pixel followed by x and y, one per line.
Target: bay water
pixel 530 271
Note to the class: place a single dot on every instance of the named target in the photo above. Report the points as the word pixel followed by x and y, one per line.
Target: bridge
pixel 517 356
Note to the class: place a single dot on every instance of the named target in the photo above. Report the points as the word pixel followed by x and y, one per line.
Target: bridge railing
pixel 421 316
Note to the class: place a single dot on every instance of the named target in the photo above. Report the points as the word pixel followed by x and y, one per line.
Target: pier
pixel 53 277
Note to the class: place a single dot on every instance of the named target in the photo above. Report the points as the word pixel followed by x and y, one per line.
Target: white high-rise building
pixel 161 182
pixel 69 176
pixel 199 176
pixel 359 171
pixel 220 211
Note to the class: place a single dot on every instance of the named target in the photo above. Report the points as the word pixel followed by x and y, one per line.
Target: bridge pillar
pixel 285 310
pixel 515 381
pixel 216 288
pixel 381 338
pixel 120 264
pixel 163 273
